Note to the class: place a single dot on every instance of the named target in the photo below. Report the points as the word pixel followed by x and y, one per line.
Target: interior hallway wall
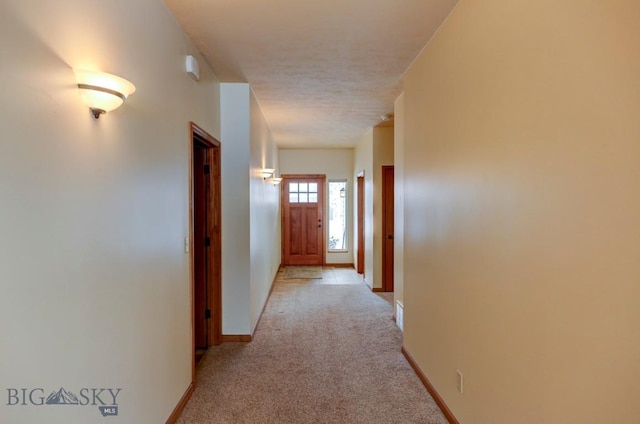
pixel 372 151
pixel 382 156
pixel 235 112
pixel 522 212
pixel 363 163
pixel 398 178
pixel 251 236
pixel 94 280
pixel 264 213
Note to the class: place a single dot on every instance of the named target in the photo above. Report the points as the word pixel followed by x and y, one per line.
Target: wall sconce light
pixel 267 173
pixel 103 92
pixel 387 117
pixel 343 192
pixel 274 181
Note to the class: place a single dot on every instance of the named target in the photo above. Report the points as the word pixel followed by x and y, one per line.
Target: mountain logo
pixel 105 398
pixel 62 397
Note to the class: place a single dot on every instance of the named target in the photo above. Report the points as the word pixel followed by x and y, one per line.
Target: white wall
pixel 363 162
pixel 398 244
pixel 265 213
pixel 236 161
pixel 382 156
pixel 251 210
pixel 94 282
pixel 522 211
pixel 336 164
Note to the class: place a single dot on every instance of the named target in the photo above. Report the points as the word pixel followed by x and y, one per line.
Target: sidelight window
pixel 337 215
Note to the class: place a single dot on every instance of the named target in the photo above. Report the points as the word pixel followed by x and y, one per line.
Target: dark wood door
pixel 303 224
pixel 387 228
pixel 200 256
pixel 360 251
pixel 206 241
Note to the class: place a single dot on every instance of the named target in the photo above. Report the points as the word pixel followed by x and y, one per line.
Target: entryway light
pixel 274 181
pixel 267 173
pixel 103 92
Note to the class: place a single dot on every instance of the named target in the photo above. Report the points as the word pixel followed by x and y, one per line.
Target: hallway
pixel 325 351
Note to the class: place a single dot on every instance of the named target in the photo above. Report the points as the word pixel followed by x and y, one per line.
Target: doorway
pixel 387 228
pixel 206 242
pixel 360 226
pixel 302 219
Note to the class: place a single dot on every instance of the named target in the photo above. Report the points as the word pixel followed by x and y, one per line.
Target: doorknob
pixel 390 236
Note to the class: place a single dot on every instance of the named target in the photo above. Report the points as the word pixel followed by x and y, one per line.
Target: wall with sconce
pixel 269 175
pixel 251 213
pixel 94 211
pixel 264 212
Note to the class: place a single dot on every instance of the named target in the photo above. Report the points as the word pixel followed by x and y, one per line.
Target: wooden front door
pixel 387 228
pixel 302 219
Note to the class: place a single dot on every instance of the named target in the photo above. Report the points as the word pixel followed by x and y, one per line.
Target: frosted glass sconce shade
pixel 267 172
pixel 103 92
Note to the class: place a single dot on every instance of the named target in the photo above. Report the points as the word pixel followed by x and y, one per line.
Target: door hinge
pixel 207 241
pixel 207 313
pixel 207 169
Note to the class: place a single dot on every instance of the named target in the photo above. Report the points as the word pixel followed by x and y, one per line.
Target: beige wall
pixel 398 226
pixel 522 212
pixel 94 282
pixel 363 163
pixel 336 164
pixel 382 156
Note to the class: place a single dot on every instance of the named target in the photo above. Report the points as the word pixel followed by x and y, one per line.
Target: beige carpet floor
pixel 322 353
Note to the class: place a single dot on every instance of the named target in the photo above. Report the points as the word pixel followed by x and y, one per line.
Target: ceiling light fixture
pixel 387 117
pixel 103 92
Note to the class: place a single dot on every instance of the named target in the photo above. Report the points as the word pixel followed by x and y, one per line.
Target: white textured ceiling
pixel 323 71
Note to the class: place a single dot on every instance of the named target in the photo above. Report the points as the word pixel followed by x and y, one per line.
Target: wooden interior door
pixel 302 219
pixel 360 251
pixel 387 227
pixel 206 240
pixel 200 256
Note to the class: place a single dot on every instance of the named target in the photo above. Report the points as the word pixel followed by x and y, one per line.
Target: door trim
pixel 213 152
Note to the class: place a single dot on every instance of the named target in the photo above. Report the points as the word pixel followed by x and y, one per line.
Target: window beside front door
pixel 337 215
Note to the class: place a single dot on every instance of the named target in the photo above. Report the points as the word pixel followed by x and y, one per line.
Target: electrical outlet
pixel 187 244
pixel 460 383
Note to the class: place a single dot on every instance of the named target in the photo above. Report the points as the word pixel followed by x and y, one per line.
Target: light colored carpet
pixel 302 272
pixel 321 354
